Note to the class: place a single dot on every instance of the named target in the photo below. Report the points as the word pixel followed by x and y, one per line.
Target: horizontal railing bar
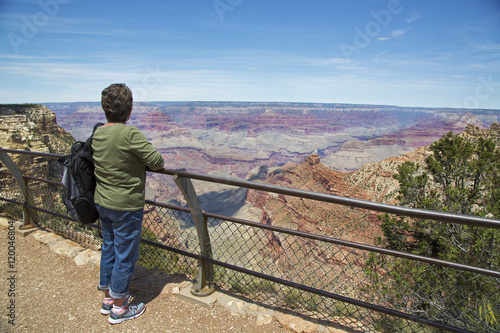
pixel 360 246
pixel 43 210
pixel 11 201
pixel 93 225
pixel 28 152
pixel 376 206
pixel 169 206
pixel 54 214
pixel 48 181
pixel 173 249
pixel 53 182
pixel 337 297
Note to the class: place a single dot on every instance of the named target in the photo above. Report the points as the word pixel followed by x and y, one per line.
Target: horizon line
pixel 271 102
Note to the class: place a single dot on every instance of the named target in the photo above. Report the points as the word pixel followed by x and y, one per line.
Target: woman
pixel 121 155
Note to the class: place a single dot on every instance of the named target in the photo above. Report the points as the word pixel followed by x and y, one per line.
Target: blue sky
pixel 431 53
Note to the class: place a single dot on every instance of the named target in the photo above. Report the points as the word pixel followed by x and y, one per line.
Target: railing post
pixel 9 163
pixel 204 285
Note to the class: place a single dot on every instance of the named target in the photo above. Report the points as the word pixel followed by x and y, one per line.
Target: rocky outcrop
pixel 157 121
pixel 313 159
pixel 473 131
pixel 33 127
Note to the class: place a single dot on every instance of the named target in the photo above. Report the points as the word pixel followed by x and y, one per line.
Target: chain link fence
pixel 172 228
pixel 361 287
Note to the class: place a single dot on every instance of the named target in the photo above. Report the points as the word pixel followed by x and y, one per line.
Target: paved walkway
pixel 48 284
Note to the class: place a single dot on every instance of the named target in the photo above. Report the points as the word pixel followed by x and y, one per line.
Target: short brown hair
pixel 116 101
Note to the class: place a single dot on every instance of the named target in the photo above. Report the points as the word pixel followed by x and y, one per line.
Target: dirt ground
pixel 50 293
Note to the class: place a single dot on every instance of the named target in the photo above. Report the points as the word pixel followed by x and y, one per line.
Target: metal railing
pixel 359 286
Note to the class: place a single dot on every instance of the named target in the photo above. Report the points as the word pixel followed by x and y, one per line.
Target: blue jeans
pixel 121 233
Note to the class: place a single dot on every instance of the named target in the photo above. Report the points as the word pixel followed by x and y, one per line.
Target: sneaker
pixel 107 306
pixel 131 311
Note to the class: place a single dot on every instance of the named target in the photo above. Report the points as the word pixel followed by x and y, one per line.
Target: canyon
pixel 235 137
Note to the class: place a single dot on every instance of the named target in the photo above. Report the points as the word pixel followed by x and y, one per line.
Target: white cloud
pixel 399 32
pixel 333 62
pixel 414 15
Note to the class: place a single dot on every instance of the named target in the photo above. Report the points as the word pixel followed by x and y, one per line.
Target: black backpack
pixel 79 181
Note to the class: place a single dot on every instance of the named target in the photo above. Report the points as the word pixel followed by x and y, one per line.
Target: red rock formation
pixel 157 120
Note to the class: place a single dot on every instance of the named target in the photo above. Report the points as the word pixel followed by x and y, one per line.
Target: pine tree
pixel 461 176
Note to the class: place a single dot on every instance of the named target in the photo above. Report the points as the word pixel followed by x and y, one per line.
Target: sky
pixel 421 53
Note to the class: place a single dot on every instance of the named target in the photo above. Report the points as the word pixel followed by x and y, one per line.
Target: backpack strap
pixel 99 227
pixel 88 142
pixel 96 126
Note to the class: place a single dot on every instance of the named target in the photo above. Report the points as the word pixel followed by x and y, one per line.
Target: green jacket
pixel 121 154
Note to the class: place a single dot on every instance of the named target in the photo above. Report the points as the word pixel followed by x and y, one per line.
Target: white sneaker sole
pixel 121 320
